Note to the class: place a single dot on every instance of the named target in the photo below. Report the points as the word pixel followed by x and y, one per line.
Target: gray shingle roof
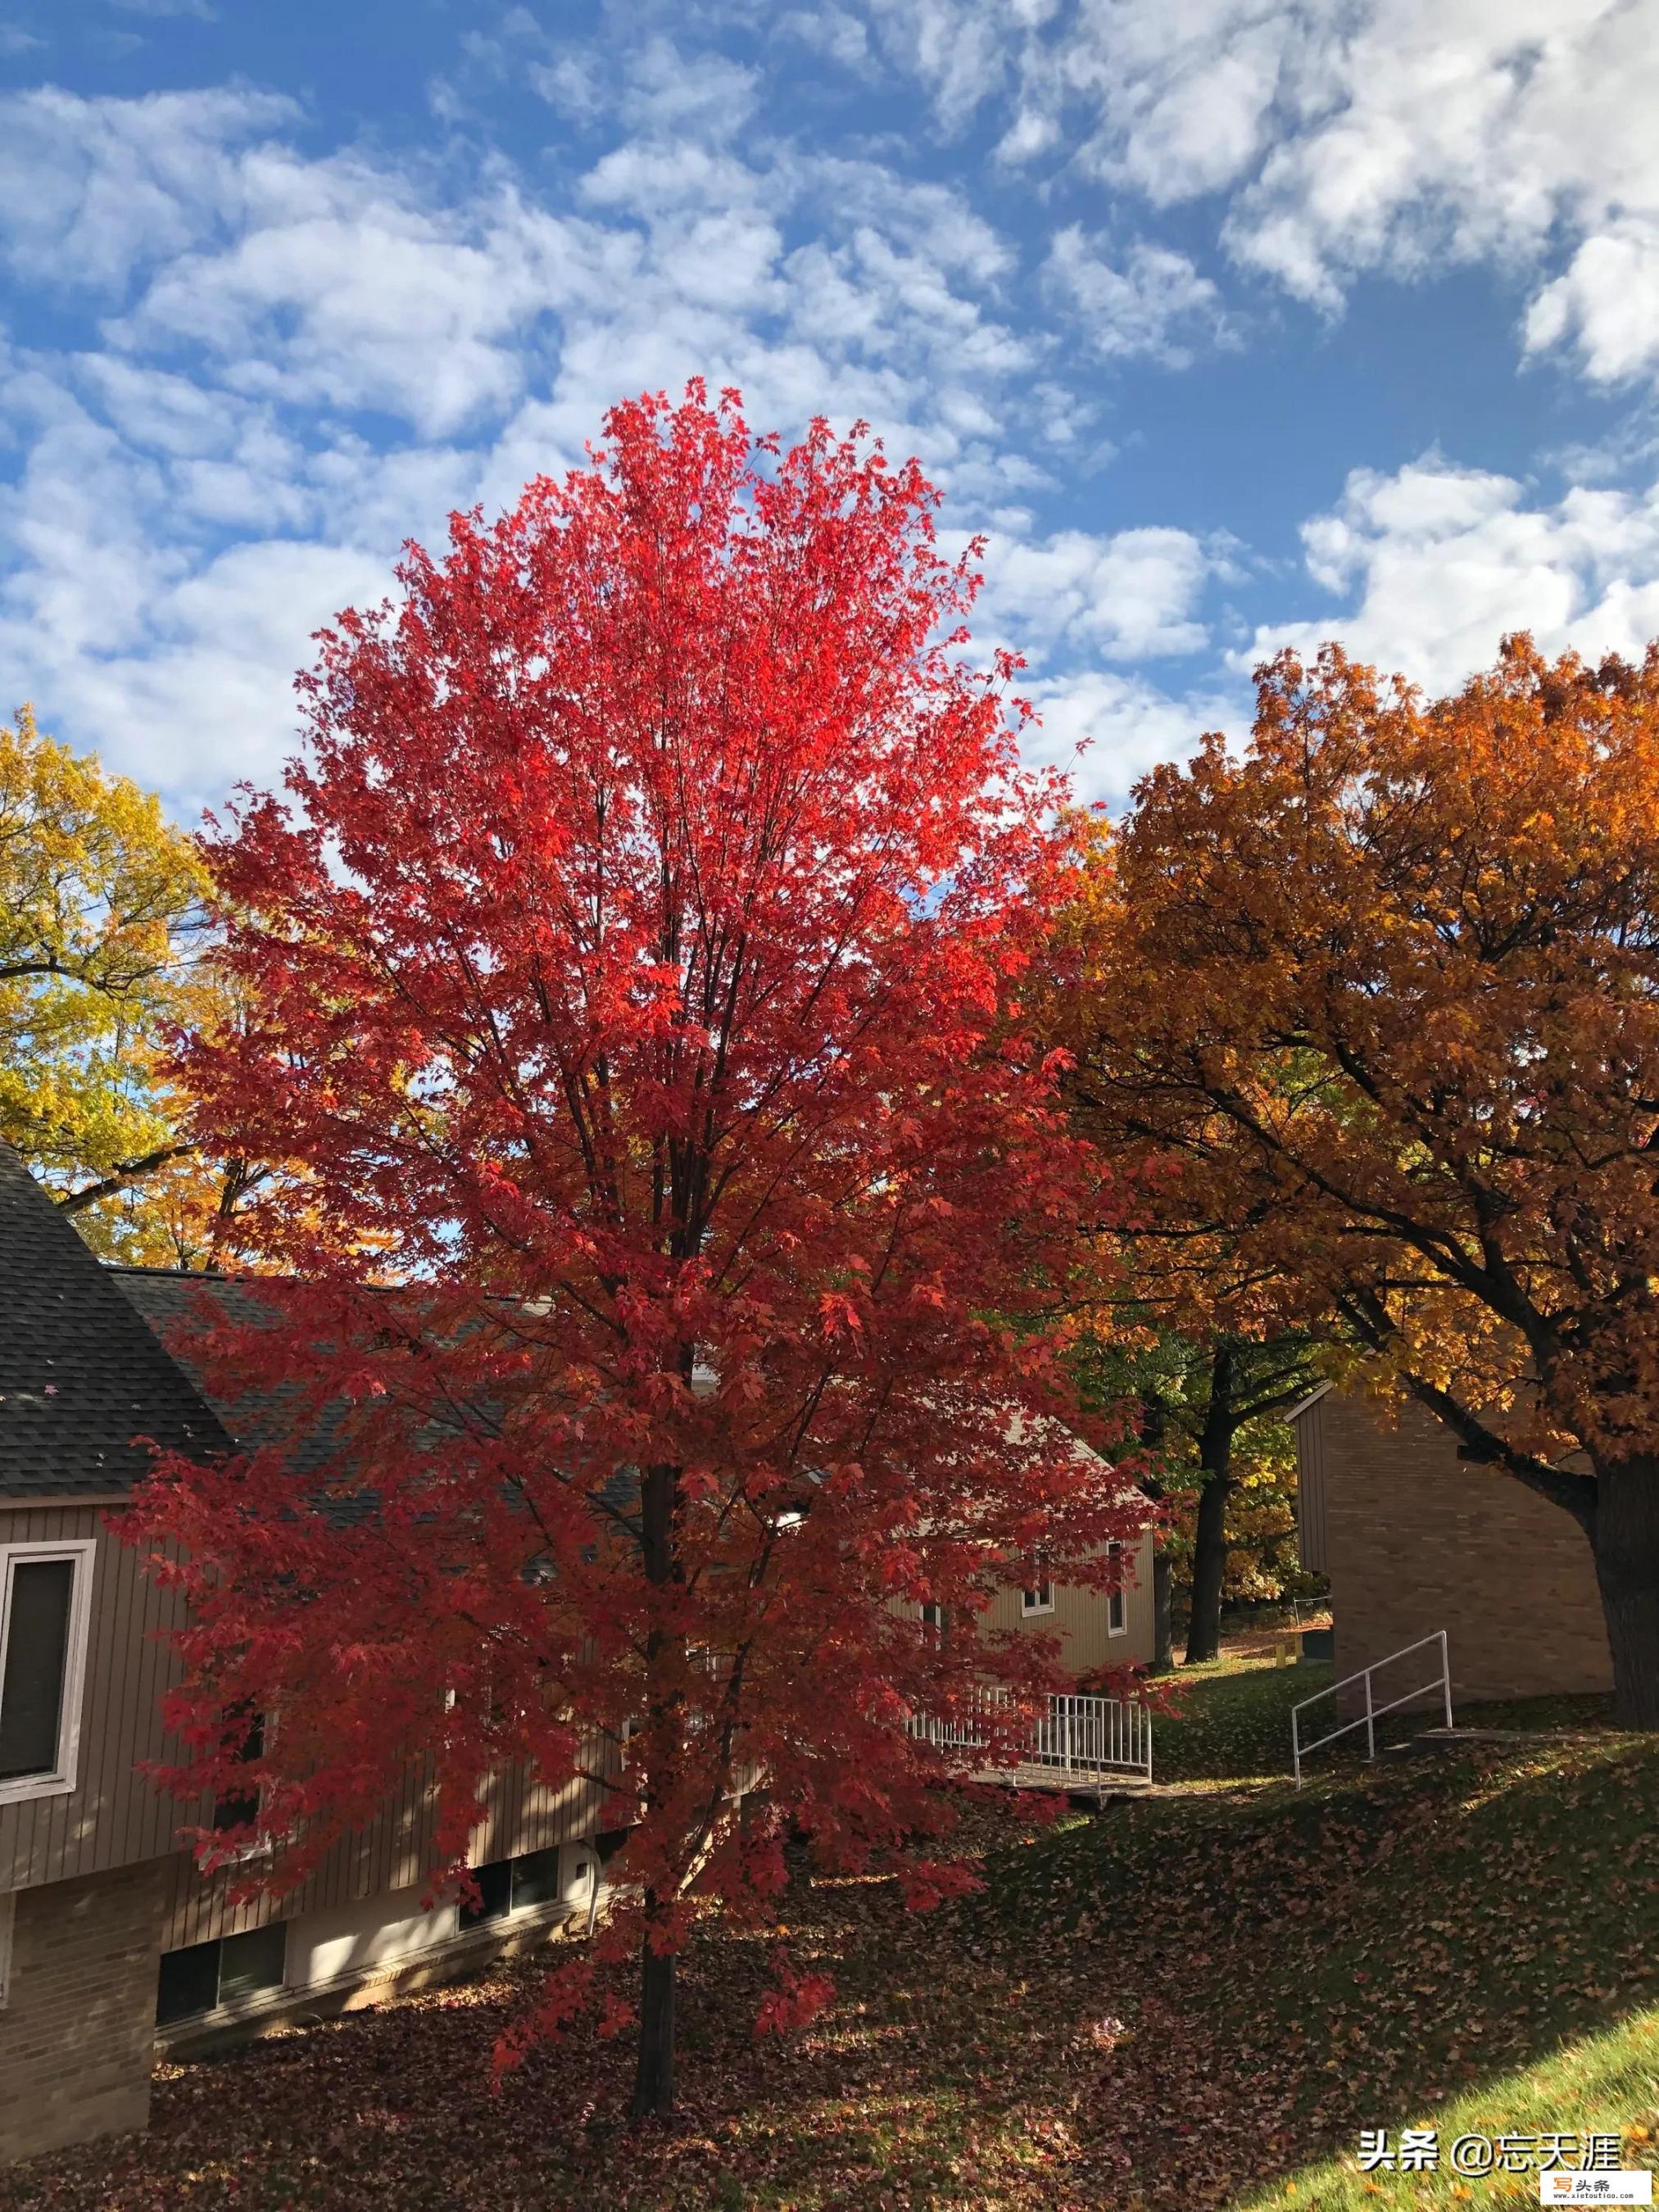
pixel 171 1305
pixel 81 1374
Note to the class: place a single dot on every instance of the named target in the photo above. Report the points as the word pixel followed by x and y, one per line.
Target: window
pixel 45 1594
pixel 494 1894
pixel 204 1976
pixel 1117 1604
pixel 932 1616
pixel 532 1880
pixel 536 1879
pixel 239 1808
pixel 1040 1600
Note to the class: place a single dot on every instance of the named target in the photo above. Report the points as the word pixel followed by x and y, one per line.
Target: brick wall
pixel 1419 1539
pixel 78 2030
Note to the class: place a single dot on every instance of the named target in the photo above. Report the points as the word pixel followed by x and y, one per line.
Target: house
pixel 109 1934
pixel 112 1939
pixel 1415 1540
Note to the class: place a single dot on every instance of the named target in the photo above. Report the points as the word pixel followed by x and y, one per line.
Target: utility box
pixel 579 1873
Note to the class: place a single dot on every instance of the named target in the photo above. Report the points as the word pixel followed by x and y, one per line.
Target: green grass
pixel 1233 1720
pixel 1194 1999
pixel 1602 2084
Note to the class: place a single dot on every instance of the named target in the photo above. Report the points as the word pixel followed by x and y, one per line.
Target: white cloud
pixel 1441 562
pixel 1440 132
pixel 1348 136
pixel 329 281
pixel 830 30
pixel 1133 595
pixel 346 293
pixel 175 661
pixel 1155 305
pixel 209 693
pixel 1607 303
pixel 702 96
pixel 92 189
pixel 321 355
pixel 1108 729
pixel 958 49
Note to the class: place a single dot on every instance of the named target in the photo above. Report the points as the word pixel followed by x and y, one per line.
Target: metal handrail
pixel 1071 1735
pixel 1373 1711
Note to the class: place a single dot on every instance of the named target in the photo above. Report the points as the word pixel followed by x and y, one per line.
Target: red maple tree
pixel 679 1213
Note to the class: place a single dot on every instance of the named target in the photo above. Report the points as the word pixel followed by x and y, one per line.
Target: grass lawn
pixel 1234 1720
pixel 1608 2083
pixel 1196 2000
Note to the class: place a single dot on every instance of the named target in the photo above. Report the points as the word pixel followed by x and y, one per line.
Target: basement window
pixel 495 1902
pixel 45 1591
pixel 523 1884
pixel 536 1879
pixel 205 1976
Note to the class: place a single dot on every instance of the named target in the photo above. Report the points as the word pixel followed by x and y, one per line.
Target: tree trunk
pixel 1209 1572
pixel 1215 1456
pixel 1162 1635
pixel 1154 1421
pixel 653 2079
pixel 1625 1538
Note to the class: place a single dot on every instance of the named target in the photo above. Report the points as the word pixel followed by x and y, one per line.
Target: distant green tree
pixel 1213 1408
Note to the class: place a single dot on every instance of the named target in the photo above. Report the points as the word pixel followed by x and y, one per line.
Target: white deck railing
pixel 1070 1736
pixel 1373 1712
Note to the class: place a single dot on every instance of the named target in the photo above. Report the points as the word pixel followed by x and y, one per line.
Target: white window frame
pixel 1117 1601
pixel 82 1552
pixel 1040 1600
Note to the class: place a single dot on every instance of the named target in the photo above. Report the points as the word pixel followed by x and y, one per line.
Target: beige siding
pixel 388 1855
pixel 115 1817
pixel 1080 1619
pixel 112 1817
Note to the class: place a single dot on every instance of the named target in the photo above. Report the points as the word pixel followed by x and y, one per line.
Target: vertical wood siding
pixel 115 1817
pixel 391 1854
pixel 112 1817
pixel 1312 1538
pixel 1078 1619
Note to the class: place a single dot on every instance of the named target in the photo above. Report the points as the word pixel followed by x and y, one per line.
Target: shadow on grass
pixel 1363 1951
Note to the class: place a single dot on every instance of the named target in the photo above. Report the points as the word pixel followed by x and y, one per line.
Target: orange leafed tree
pixel 1387 989
pixel 1201 1326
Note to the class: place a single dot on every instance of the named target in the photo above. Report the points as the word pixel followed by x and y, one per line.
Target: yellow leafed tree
pixel 101 915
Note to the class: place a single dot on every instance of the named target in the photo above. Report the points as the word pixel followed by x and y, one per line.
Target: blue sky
pixel 1233 322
